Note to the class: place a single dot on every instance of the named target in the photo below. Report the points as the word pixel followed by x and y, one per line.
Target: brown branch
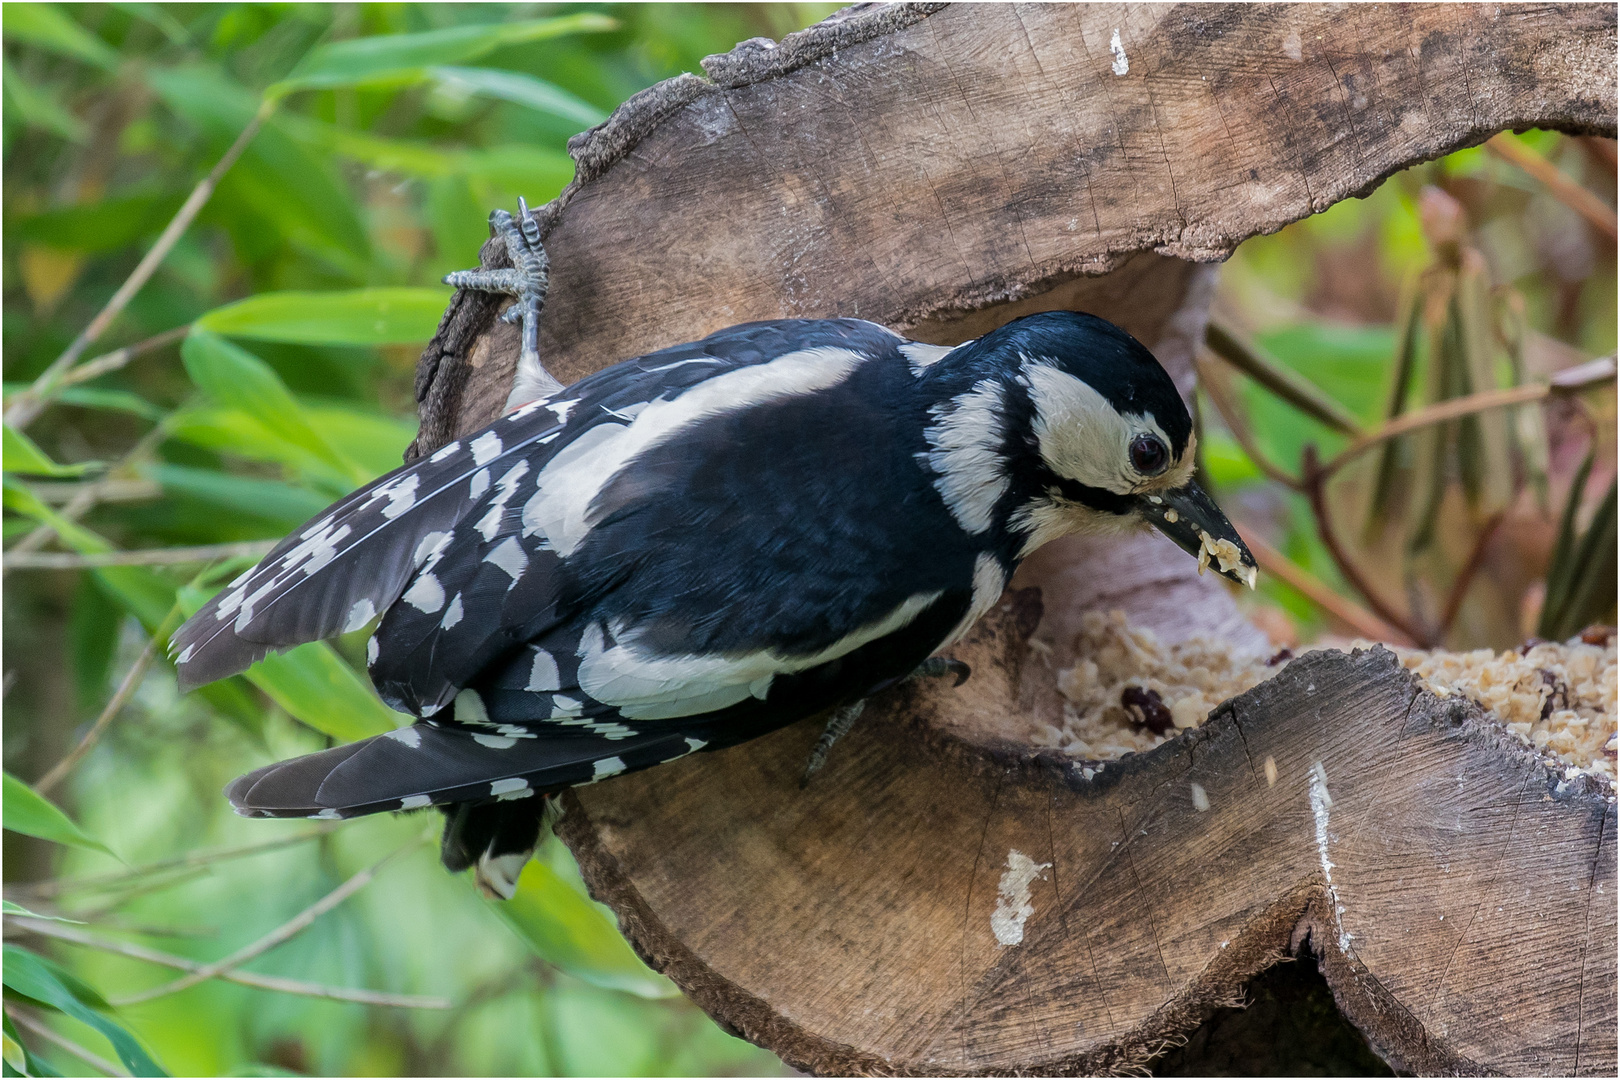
pixel 114 360
pixel 27 406
pixel 245 978
pixel 50 1035
pixel 1465 577
pixel 69 560
pixel 1305 583
pixel 1598 213
pixel 1215 388
pixel 1283 383
pixel 1315 481
pixel 281 934
pixel 1438 413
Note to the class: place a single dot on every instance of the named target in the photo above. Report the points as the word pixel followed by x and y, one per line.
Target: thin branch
pixel 1436 414
pixel 114 360
pixel 1215 388
pixel 56 887
pixel 87 499
pixel 1597 212
pixel 27 406
pixel 246 978
pixel 281 934
pixel 1345 610
pixel 69 560
pixel 1316 491
pixel 61 492
pixel 44 1031
pixel 1284 383
pixel 126 690
pixel 1465 577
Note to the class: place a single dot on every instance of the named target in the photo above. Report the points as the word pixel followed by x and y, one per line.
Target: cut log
pixel 943 898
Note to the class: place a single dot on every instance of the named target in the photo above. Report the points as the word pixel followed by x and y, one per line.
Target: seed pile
pixel 1129 692
pixel 1559 698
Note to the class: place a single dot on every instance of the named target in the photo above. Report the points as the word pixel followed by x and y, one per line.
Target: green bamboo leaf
pixel 519 89
pixel 237 379
pixel 314 685
pixel 28 812
pixel 1560 565
pixel 240 433
pixel 156 16
pixel 400 59
pixel 45 26
pixel 10 908
pixel 18 1058
pixel 535 173
pixel 382 316
pixel 108 225
pixel 1592 596
pixel 39 108
pixel 565 929
pixel 31 975
pixel 374 442
pixel 285 504
pixel 143 593
pixel 23 455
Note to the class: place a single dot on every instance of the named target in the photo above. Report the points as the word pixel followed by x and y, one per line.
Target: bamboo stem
pixel 1598 213
pixel 69 560
pixel 246 978
pixel 280 935
pixel 27 406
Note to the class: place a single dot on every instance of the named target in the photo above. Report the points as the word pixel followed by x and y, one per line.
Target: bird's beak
pixel 1191 518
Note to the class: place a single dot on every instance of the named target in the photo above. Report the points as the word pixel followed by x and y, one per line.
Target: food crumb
pixel 1271 771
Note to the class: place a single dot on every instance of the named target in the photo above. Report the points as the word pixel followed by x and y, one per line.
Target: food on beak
pixel 1228 556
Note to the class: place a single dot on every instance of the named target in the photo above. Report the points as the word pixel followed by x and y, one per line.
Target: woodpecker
pixel 695 547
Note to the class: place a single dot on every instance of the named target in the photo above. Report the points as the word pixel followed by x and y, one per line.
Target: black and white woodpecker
pixel 695 547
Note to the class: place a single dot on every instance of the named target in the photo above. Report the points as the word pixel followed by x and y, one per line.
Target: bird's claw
pixel 936 667
pixel 840 723
pixel 528 279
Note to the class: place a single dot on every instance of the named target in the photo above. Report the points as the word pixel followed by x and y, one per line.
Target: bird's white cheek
pixel 1046 520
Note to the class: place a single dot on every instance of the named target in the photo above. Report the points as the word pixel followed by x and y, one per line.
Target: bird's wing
pixel 353 561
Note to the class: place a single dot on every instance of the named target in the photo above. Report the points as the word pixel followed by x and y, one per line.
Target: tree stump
pixel 943 898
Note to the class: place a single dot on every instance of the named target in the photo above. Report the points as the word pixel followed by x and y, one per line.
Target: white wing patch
pixel 643 686
pixel 571 480
pixel 920 355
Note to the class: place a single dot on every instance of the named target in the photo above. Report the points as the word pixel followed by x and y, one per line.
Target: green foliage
pixel 37 980
pixel 304 289
pixel 32 814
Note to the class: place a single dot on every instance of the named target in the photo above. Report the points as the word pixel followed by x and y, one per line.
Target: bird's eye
pixel 1148 455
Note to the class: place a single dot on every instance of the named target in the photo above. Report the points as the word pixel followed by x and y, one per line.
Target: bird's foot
pixel 528 279
pixel 842 720
pixel 937 667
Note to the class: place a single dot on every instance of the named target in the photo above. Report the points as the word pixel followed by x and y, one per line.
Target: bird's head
pixel 1085 433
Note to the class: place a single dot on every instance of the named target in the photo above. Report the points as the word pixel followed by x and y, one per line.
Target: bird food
pixel 1227 555
pixel 1558 698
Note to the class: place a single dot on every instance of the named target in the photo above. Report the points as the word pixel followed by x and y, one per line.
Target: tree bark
pixel 941 170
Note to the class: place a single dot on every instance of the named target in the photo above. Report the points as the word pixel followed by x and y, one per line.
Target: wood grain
pixel 942 170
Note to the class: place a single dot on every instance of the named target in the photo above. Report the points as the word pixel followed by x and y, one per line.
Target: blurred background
pixel 266 367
